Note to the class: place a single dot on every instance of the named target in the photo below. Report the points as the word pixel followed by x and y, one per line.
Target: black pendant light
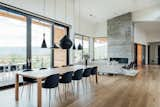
pixel 74 47
pixel 65 42
pixel 44 45
pixel 54 46
pixel 80 47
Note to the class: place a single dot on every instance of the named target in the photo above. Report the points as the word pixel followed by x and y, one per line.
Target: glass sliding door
pixel 100 48
pixel 41 57
pixel 12 40
pixel 60 55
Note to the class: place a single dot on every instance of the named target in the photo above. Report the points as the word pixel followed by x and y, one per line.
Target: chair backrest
pixel 78 74
pixel 67 77
pixel 13 67
pixel 87 72
pixel 94 71
pixel 42 68
pixel 1 68
pixel 52 81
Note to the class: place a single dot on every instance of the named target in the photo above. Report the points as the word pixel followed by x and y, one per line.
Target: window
pixel 84 42
pixel 100 48
pixel 41 56
pixel 13 38
pixel 85 45
pixel 60 55
pixel 77 53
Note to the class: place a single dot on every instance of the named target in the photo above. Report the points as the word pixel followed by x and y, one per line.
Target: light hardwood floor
pixel 112 91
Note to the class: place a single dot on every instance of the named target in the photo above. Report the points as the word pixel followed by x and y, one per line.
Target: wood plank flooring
pixel 112 91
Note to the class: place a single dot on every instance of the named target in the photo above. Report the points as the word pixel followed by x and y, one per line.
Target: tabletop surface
pixel 47 72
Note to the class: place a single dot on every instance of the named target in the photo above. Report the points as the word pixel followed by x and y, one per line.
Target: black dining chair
pixel 86 74
pixel 50 83
pixel 66 79
pixel 1 68
pixel 77 76
pixel 28 81
pixel 94 71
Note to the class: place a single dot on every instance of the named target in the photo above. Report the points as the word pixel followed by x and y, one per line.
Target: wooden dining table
pixel 40 75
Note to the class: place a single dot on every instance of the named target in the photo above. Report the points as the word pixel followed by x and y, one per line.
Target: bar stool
pixel 66 78
pixel 50 83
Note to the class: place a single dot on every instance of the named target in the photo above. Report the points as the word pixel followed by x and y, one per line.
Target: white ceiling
pixel 106 9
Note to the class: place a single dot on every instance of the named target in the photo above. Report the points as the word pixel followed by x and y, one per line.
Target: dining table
pixel 41 75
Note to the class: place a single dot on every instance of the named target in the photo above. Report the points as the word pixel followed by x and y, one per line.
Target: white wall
pixel 101 29
pixel 139 35
pixel 154 37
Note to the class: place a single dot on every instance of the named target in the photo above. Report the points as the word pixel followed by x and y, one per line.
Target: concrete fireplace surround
pixel 120 37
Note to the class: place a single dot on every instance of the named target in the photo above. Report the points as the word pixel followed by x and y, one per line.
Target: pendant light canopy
pixel 80 47
pixel 44 45
pixel 65 42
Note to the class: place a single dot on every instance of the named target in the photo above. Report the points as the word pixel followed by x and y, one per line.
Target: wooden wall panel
pixel 139 55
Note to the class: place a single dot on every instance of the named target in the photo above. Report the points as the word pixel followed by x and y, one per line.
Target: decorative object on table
pixel 65 42
pixel 80 47
pixel 86 57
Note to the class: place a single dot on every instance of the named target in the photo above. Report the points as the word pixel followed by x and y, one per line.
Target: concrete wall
pixel 120 42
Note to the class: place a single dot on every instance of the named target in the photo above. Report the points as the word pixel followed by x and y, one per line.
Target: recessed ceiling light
pixel 91 15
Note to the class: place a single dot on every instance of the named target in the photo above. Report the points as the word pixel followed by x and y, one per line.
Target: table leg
pixel 39 93
pixel 96 78
pixel 17 87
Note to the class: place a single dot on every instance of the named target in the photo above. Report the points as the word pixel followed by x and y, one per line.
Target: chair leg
pixel 59 94
pixel 49 97
pixel 72 89
pixel 22 89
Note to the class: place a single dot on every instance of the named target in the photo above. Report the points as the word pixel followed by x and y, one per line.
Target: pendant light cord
pixel 55 6
pixel 79 15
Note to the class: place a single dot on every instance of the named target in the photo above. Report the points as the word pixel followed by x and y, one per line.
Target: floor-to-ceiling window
pixel 60 55
pixel 41 57
pixel 100 48
pixel 21 36
pixel 77 52
pixel 82 41
pixel 12 40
